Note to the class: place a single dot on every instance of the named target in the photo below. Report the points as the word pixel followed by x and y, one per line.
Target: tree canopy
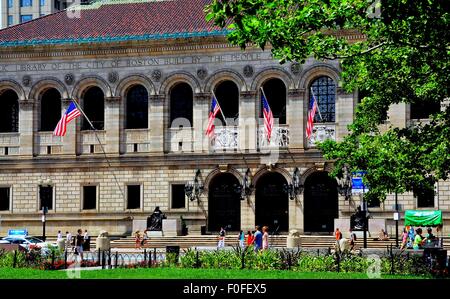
pixel 404 58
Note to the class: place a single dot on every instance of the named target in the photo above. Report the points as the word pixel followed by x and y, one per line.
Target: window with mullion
pixel 324 89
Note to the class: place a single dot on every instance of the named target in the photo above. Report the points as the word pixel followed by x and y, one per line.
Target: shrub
pixel 309 263
pixel 189 259
pixel 7 259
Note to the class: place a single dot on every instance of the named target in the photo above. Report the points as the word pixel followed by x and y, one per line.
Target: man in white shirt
pixel 59 237
pixel 68 239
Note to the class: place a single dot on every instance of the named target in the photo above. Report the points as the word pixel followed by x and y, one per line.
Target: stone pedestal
pixel 61 244
pixel 171 227
pixel 293 242
pixel 139 225
pixel 103 243
pixel 154 233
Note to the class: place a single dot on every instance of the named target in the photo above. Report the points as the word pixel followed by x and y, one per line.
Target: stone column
pixel 156 122
pixel 112 124
pixel 26 125
pixel 69 141
pixel 248 216
pixel 296 213
pixel 344 112
pixel 248 116
pixel 295 115
pixel 200 121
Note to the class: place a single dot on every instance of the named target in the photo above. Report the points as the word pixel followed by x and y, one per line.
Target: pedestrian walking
pixel 59 236
pixel 241 239
pixel 221 243
pixel 258 238
pixel 250 238
pixel 265 238
pixel 86 241
pixel 69 242
pixel 79 243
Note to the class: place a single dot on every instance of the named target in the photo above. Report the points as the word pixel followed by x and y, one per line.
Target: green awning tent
pixel 423 218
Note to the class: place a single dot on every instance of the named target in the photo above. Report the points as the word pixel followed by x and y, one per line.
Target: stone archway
pixel 271 202
pixel 224 203
pixel 321 204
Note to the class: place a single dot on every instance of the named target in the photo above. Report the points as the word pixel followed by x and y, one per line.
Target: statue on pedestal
pixel 154 222
pixel 357 220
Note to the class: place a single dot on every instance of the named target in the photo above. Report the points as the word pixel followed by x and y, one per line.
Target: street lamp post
pixel 365 218
pixel 396 219
pixel 44 213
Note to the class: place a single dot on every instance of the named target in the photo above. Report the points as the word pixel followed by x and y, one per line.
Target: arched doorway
pixel 224 203
pixel 272 203
pixel 321 203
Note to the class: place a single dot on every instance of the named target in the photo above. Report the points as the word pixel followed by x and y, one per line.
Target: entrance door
pixel 224 202
pixel 321 203
pixel 272 203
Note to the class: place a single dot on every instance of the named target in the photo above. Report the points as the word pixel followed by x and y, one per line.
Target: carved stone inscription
pixel 133 62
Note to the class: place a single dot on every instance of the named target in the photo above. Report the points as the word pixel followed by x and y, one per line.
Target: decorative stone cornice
pixel 294 92
pixel 203 96
pixel 157 98
pixel 27 104
pixel 66 101
pixel 112 100
pixel 248 95
pixel 127 48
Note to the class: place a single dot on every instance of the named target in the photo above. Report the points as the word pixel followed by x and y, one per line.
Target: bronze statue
pixel 357 220
pixel 154 222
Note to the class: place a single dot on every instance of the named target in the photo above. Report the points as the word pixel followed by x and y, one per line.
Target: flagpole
pixel 317 103
pixel 224 119
pixel 101 145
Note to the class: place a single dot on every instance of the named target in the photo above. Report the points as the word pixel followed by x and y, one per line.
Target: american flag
pixel 311 114
pixel 215 108
pixel 71 113
pixel 268 117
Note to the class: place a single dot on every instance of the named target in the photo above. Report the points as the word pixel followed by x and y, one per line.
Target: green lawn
pixel 176 273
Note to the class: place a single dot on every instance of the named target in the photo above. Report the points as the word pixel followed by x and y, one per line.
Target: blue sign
pixel 17 232
pixel 357 182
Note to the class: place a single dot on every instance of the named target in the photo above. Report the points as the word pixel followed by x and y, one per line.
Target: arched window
pixel 275 92
pixel 94 108
pixel 227 94
pixel 324 89
pixel 9 112
pixel 181 99
pixel 137 108
pixel 423 110
pixel 50 109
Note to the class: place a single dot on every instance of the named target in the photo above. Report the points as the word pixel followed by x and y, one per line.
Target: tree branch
pixel 357 54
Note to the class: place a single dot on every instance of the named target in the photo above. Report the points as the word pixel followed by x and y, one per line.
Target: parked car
pixel 27 242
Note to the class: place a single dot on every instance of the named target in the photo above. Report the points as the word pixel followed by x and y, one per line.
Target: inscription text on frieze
pixel 133 62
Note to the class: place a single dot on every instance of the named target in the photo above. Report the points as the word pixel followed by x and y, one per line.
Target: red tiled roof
pixel 114 22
